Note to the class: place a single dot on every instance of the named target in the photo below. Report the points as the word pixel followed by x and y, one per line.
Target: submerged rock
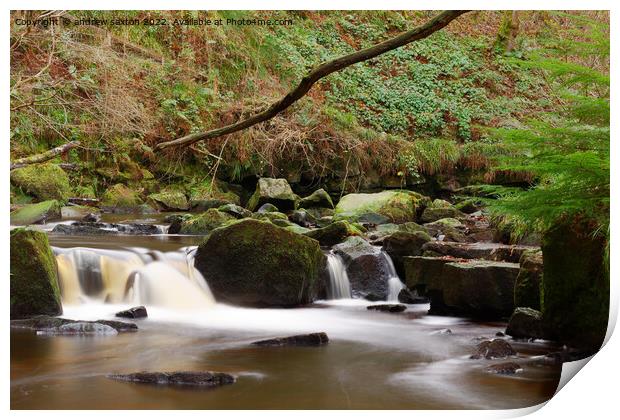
pixel 49 323
pixel 395 206
pixel 493 349
pixel 38 213
pixel 393 308
pixel 94 228
pixel 136 312
pixel 255 263
pixel 526 323
pixel 508 368
pixel 275 191
pixel 314 339
pixel 33 275
pixel 81 328
pixel 193 379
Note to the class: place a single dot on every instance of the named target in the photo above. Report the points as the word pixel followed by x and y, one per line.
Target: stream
pixel 374 360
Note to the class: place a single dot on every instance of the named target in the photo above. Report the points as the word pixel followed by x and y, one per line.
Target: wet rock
pixel 49 323
pixel 80 328
pixel 526 323
pixel 235 210
pixel 444 331
pixel 75 212
pixel 136 312
pixel 318 199
pixel 508 368
pixel 314 339
pixel 255 263
pixel 274 191
pixel 95 229
pixel 119 325
pixel 302 217
pixel 185 379
pixel 393 308
pixel 402 244
pixel 38 213
pixel 367 267
pixel 34 288
pixel 500 334
pixel 170 199
pixel 479 250
pixel 392 206
pixel 176 221
pixel 407 296
pixel 267 208
pixel 91 218
pixel 493 349
pixel 334 233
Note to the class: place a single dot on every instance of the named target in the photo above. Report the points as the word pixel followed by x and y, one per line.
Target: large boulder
pixel 575 284
pixel 477 288
pixel 276 191
pixel 45 181
pixel 255 263
pixel 448 229
pixel 36 213
pixel 34 278
pixel 204 223
pixel 318 199
pixel 525 323
pixel 527 287
pixel 393 206
pixel 210 195
pixel 402 244
pixel 367 268
pixel 170 199
pixel 334 233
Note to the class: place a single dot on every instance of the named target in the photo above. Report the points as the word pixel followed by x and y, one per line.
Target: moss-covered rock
pixel 394 206
pixel 438 203
pixel 526 323
pixel 334 233
pixel 34 279
pixel 122 197
pixel 320 198
pixel 527 287
pixel 77 212
pixel 36 213
pixel 254 263
pixel 276 191
pixel 575 285
pixel 205 222
pixel 468 206
pixel 170 199
pixel 432 214
pixel 45 181
pixel 270 216
pixel 235 210
pixel 211 195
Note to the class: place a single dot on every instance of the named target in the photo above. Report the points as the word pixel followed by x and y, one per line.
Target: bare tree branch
pixel 45 156
pixel 421 32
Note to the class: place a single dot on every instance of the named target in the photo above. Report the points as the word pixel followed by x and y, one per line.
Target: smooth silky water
pixel 373 361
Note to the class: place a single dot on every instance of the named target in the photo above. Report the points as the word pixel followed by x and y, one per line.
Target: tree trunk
pixel 45 156
pixel 421 32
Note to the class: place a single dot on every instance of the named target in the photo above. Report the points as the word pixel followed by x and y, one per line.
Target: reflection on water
pixel 373 361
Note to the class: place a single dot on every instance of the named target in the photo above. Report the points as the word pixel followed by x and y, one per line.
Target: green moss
pixel 46 182
pixel 432 214
pixel 397 206
pixel 36 213
pixel 34 281
pixel 270 215
pixel 119 195
pixel 274 191
pixel 204 223
pixel 334 233
pixel 528 283
pixel 319 198
pixel 170 199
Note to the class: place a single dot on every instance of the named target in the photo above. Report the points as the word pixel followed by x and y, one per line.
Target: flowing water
pixel 395 285
pixel 373 361
pixel 339 286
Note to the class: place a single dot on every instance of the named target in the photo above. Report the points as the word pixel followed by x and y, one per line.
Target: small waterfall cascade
pixel 339 286
pixel 394 283
pixel 136 276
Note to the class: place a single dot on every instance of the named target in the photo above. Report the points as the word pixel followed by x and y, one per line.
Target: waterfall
pixel 394 283
pixel 339 286
pixel 137 276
